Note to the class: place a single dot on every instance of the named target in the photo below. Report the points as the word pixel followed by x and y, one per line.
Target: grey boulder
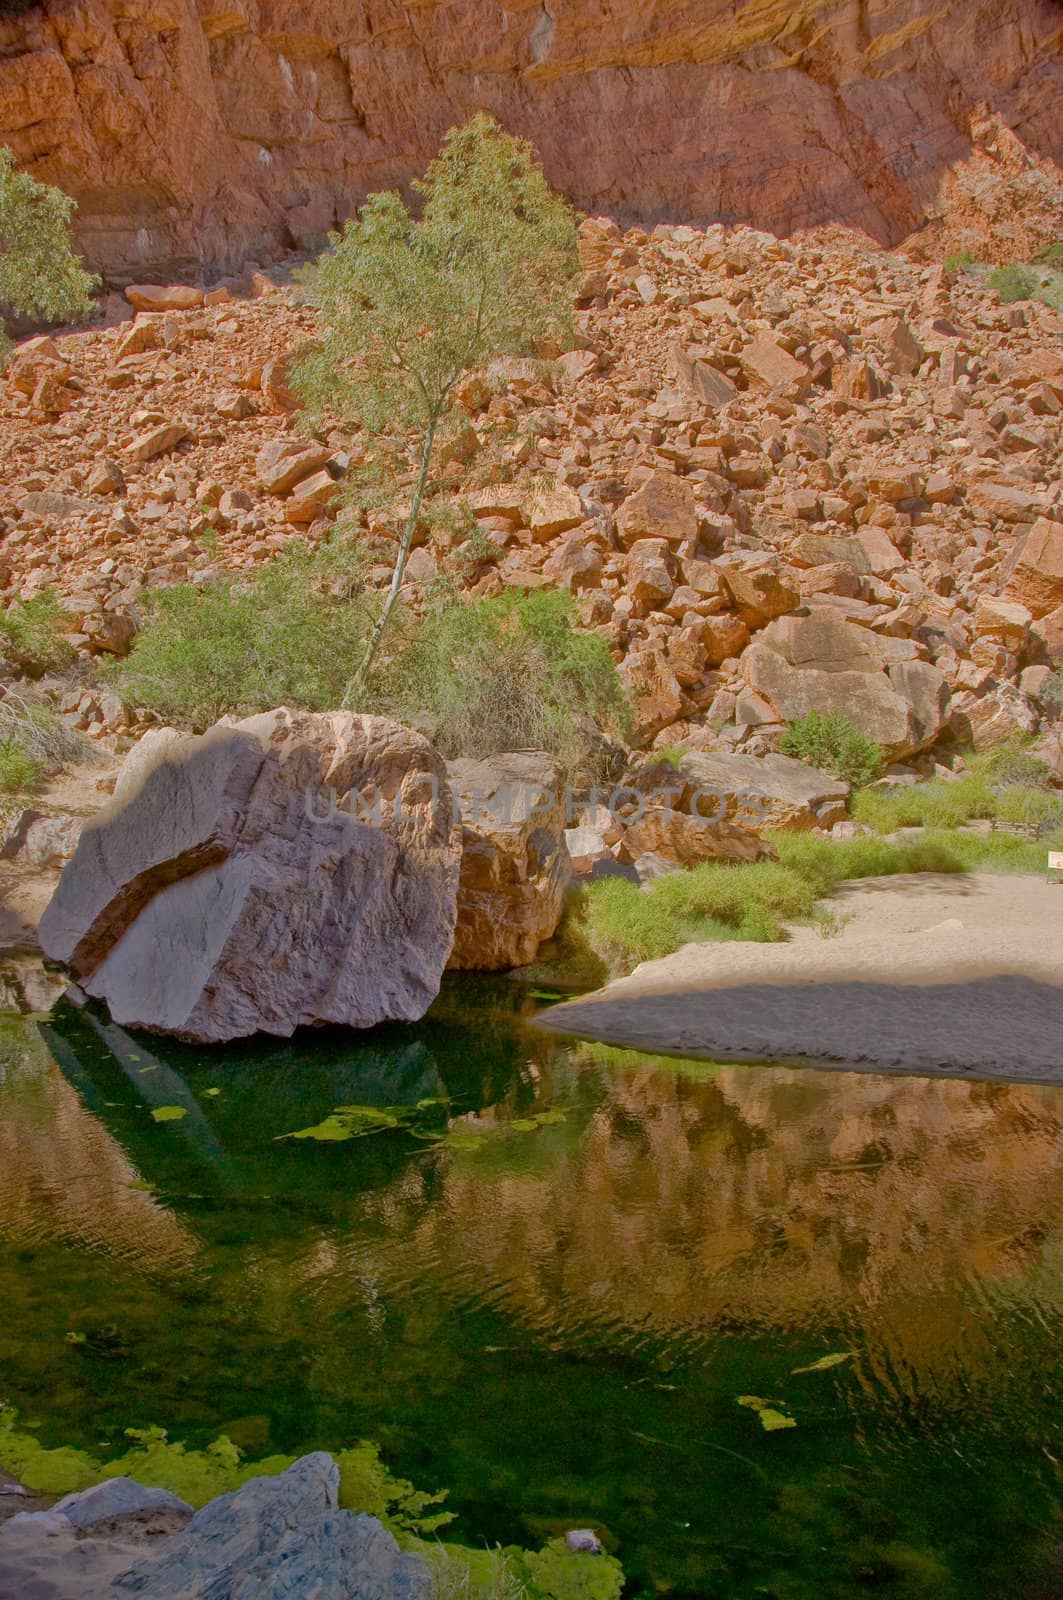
pixel 118 1498
pixel 760 792
pixel 280 1538
pixel 288 869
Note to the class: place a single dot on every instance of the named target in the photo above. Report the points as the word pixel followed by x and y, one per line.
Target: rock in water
pixel 239 886
pixel 515 867
pixel 280 1538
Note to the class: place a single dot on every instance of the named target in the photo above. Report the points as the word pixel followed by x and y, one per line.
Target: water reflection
pixel 554 1320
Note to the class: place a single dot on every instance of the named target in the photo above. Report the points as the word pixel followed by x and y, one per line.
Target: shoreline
pixel 930 974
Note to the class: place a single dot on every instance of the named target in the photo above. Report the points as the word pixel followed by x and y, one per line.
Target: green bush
pixel 18 770
pixel 240 645
pixel 31 635
pixel 40 276
pixel 960 260
pixel 1008 786
pixel 830 742
pixel 510 673
pixel 1014 282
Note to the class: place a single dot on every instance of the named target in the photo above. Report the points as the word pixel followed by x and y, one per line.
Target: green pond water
pixel 554 1317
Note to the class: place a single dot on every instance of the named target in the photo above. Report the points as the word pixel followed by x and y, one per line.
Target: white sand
pixel 931 973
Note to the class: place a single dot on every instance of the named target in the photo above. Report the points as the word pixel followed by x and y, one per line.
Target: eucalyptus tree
pixel 40 274
pixel 409 303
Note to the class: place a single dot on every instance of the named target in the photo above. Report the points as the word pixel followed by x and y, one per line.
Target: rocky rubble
pixel 754 443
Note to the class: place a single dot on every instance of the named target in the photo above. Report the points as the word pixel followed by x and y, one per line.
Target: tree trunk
pixel 358 682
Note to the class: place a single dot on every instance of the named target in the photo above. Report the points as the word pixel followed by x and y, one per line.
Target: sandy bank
pixel 930 973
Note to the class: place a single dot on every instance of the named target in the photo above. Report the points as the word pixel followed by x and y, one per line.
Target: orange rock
pixel 154 297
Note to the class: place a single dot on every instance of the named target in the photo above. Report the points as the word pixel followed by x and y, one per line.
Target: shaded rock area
pixel 277 1538
pixel 280 1538
pixel 228 892
pixel 515 867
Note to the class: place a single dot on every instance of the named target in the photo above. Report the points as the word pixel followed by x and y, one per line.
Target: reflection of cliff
pixel 771 1198
pixel 670 1203
pixel 63 1177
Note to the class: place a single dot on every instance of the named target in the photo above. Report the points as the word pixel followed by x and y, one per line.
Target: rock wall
pixel 197 133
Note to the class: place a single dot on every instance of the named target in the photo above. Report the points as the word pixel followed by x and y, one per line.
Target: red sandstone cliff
pixel 201 132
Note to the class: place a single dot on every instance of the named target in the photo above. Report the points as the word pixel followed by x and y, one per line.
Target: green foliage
pixel 772 1419
pixel 1014 282
pixel 40 276
pixel 830 742
pixel 623 924
pixel 18 769
pixel 169 1113
pixel 31 634
pixel 367 1485
pixel 1008 786
pixel 1051 256
pixel 200 1475
pixel 408 305
pixel 672 754
pixel 245 644
pixel 510 673
pixel 558 1573
pixel 462 1574
pixel 959 261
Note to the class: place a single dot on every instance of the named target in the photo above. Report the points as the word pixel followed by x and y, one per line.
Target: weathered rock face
pixel 822 662
pixel 223 895
pixel 514 864
pixel 280 1537
pixel 205 133
pixel 772 791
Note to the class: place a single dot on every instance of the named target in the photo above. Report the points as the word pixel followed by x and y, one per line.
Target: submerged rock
pixel 227 891
pixel 280 1538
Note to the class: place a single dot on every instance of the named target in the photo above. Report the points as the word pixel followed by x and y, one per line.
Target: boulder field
pixel 773 473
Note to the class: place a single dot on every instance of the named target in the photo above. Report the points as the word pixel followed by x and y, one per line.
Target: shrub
pixel 1014 282
pixel 31 634
pixel 960 260
pixel 510 673
pixel 1009 786
pixel 18 770
pixel 829 741
pixel 40 276
pixel 243 645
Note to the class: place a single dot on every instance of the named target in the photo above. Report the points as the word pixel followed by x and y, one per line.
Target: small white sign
pixel 1055 861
